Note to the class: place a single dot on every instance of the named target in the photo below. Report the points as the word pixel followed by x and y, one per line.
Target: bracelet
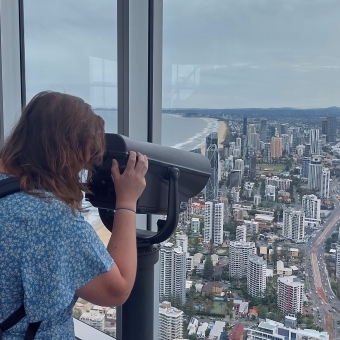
pixel 126 209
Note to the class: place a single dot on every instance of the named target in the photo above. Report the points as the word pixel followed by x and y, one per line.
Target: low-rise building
pixel 94 319
pixel 201 330
pixel 193 325
pixel 216 331
pixel 237 332
pixel 281 270
pixel 270 329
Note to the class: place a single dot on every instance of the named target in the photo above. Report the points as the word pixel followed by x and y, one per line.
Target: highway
pixel 327 304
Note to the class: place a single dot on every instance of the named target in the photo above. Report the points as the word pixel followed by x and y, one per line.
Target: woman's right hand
pixel 131 183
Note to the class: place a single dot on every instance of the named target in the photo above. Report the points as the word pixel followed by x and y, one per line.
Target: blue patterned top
pixel 47 253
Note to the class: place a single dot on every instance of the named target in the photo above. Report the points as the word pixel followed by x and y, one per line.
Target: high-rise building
pixel 239 165
pixel 293 224
pixel 271 132
pixel 239 254
pixel 324 186
pixel 314 173
pixel 305 167
pixel 306 150
pixel 252 167
pixel 263 130
pixel 314 141
pixel 270 192
pixel 170 322
pixel 235 179
pixel 285 142
pixel 251 129
pixel 238 143
pixel 324 127
pixel 256 276
pixel 211 189
pixel 331 129
pixel 211 139
pixel 294 139
pixel 213 222
pixel 172 273
pixel 182 241
pixel 276 147
pixel 241 233
pixel 195 225
pixel 254 141
pixel 337 268
pixel 290 293
pixel 283 129
pixel 245 126
pixel 266 153
pixel 311 207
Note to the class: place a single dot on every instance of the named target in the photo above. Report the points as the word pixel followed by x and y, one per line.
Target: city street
pixel 328 306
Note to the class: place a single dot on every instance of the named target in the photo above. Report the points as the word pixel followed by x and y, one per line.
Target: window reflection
pixel 71 47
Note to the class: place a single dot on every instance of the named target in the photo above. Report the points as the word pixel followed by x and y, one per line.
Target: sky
pixel 216 53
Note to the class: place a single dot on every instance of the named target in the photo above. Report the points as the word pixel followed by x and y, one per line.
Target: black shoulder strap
pixel 14 318
pixel 9 186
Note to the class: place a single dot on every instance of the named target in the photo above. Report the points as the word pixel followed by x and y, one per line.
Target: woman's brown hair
pixel 56 137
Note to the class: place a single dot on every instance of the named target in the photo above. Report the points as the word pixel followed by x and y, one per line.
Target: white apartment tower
pixel 293 224
pixel 239 254
pixel 314 173
pixel 172 272
pixel 213 222
pixel 218 223
pixel 314 142
pixel 182 241
pixel 325 179
pixel 290 292
pixel 311 206
pixel 256 276
pixel 170 322
pixel 208 221
pixel 241 233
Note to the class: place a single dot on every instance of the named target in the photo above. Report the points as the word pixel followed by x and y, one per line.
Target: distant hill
pixel 256 112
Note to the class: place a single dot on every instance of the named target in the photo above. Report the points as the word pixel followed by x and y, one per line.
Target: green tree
pixel 208 268
pixel 192 337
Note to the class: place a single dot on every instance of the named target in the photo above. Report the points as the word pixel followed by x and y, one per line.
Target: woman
pixel 49 254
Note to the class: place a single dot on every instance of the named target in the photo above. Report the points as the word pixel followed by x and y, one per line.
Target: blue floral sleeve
pixel 62 253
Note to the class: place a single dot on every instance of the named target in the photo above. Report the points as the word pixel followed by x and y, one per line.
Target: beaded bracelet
pixel 126 209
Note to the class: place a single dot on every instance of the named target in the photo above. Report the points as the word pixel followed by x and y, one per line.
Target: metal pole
pixel 138 310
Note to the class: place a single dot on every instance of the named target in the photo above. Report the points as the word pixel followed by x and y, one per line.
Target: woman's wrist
pixel 126 204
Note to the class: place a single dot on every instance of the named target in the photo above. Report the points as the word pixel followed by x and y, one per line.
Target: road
pixel 327 304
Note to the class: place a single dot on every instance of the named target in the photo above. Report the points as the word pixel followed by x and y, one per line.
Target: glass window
pixel 254 85
pixel 71 47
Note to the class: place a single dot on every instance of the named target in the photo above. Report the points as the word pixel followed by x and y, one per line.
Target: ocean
pixel 185 133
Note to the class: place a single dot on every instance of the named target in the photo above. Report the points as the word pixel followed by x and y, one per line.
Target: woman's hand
pixel 131 183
